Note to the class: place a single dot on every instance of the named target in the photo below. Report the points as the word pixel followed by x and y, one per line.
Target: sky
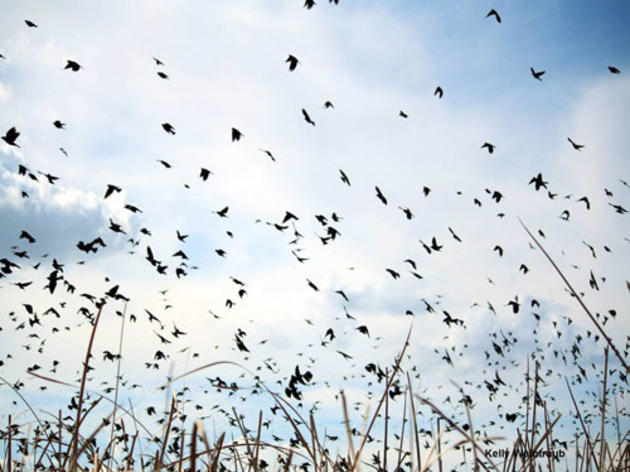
pixel 225 64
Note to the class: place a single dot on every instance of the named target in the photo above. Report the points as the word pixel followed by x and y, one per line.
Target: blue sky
pixel 226 68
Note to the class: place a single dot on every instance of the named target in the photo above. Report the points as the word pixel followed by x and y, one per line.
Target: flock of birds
pixel 36 323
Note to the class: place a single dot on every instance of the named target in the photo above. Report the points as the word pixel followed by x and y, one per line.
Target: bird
pixel 344 177
pixel 223 212
pixel 328 104
pixel 162 75
pixel 164 163
pixel 380 195
pixel 576 146
pixel 26 235
pixel 30 24
pixel 586 202
pixel 490 147
pixel 133 209
pixel 293 62
pixel 59 125
pixel 403 114
pixel 72 65
pixel 494 13
pixel 236 135
pixel 614 70
pixel 168 128
pixel 308 4
pixel 307 118
pixel 271 156
pixel 11 136
pixel 439 92
pixel 157 61
pixel 111 189
pixel 538 181
pixel 537 75
pixel 204 174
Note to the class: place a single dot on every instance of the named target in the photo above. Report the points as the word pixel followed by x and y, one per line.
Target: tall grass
pixel 60 445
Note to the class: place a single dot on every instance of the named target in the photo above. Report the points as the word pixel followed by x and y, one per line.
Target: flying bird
pixel 307 118
pixel 293 62
pixel 168 128
pixel 439 92
pixel 494 13
pixel 59 125
pixel 490 147
pixel 380 195
pixel 30 24
pixel 344 177
pixel 204 174
pixel 11 136
pixel 271 156
pixel 328 104
pixel 576 146
pixel 111 189
pixel 72 65
pixel 614 70
pixel 537 75
pixel 236 135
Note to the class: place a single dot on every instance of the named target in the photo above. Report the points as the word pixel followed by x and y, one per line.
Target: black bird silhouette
pixel 168 128
pixel 133 209
pixel 25 235
pixel 11 136
pixel 434 245
pixel 490 147
pixel 618 208
pixel 407 212
pixel 204 174
pixel 538 181
pixel 537 75
pixel 494 13
pixel 164 163
pixel 223 212
pixel 308 4
pixel 30 24
pixel 59 125
pixel 72 65
pixel 157 61
pixel 380 195
pixel 307 118
pixel 344 177
pixel 395 275
pixel 312 285
pixel 455 236
pixel 586 202
pixel 439 92
pixel 269 154
pixel 403 114
pixel 576 146
pixel 614 70
pixel 293 62
pixel 328 104
pixel 111 189
pixel 236 135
